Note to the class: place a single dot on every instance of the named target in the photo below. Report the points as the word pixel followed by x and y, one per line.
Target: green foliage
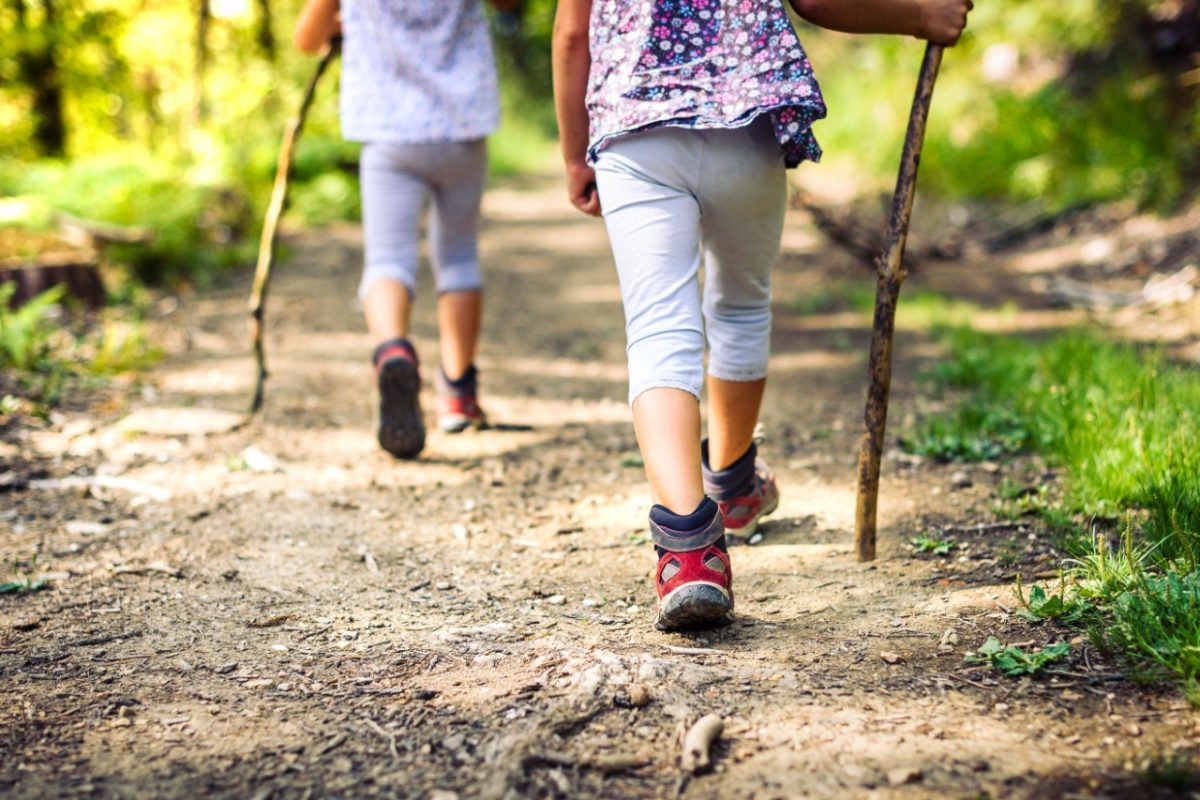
pixel 976 431
pixel 931 544
pixel 632 460
pixel 1157 621
pixel 192 222
pixel 1040 605
pixel 24 580
pixel 26 584
pixel 42 353
pixel 26 331
pixel 1122 422
pixel 1013 661
pixel 28 342
pixel 1176 772
pixel 1079 114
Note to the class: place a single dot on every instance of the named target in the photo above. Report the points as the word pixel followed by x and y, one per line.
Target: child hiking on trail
pixel 678 119
pixel 419 90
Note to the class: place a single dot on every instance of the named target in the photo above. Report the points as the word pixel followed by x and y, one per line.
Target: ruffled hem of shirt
pixel 802 147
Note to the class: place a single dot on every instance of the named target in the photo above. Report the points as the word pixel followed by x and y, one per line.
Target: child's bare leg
pixel 732 414
pixel 667 422
pixel 459 318
pixel 387 307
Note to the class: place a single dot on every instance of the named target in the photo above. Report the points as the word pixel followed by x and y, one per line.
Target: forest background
pixel 167 114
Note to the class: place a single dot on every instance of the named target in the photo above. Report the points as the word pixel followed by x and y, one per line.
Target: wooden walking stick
pixel 268 244
pixel 890 274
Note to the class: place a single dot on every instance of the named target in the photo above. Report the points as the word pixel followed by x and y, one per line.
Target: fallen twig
pixel 850 237
pixel 969 682
pixel 388 735
pixel 984 527
pixel 94 640
pixel 571 721
pixel 368 559
pixel 156 493
pixel 605 764
pixel 90 232
pixel 695 651
pixel 697 741
pixel 336 741
pixel 156 566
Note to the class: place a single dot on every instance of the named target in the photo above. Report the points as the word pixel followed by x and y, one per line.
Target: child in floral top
pixel 678 119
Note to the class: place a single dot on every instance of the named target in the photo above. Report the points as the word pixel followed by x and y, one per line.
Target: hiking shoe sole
pixel 457 423
pixel 401 428
pixel 694 605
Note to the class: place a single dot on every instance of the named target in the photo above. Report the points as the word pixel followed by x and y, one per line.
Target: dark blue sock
pixel 735 480
pixel 700 518
pixel 463 382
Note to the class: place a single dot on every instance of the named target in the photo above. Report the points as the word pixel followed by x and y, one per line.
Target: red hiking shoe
pixel 401 427
pixel 746 492
pixel 694 578
pixel 458 404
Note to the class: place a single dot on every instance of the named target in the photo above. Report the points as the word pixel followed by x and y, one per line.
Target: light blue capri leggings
pixel 395 180
pixel 669 194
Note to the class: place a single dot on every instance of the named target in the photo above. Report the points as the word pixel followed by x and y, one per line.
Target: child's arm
pixel 317 24
pixel 571 61
pixel 939 21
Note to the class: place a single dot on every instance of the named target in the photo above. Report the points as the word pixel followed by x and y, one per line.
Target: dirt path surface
pixel 282 610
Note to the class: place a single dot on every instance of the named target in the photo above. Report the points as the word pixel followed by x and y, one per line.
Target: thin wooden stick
pixel 268 244
pixel 698 741
pixel 891 273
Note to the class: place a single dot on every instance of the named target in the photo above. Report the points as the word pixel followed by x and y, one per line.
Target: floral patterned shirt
pixel 700 64
pixel 417 71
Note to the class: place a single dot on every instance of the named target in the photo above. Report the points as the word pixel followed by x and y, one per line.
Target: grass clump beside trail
pixel 1124 424
pixel 42 350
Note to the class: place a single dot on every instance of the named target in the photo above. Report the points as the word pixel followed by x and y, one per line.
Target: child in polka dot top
pixel 678 119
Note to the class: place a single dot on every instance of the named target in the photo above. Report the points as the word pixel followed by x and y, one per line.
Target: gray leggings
pixel 395 180
pixel 671 195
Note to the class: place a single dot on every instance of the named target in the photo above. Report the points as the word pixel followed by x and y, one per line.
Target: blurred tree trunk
pixel 204 16
pixel 37 66
pixel 266 37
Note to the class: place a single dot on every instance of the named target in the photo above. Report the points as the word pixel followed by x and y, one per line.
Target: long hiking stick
pixel 268 245
pixel 890 274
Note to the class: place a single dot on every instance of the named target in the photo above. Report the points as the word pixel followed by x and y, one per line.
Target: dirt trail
pixel 310 618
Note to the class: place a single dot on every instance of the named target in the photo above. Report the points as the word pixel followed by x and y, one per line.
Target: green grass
pixel 23 580
pixel 1121 419
pixel 1123 424
pixel 919 309
pixel 43 350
